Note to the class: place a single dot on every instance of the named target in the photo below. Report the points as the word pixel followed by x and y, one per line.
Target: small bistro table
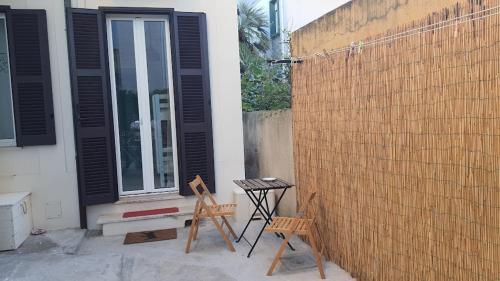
pixel 251 186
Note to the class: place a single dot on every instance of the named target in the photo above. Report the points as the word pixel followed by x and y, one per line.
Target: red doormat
pixel 150 212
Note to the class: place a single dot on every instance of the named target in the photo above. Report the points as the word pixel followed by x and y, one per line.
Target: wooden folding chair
pixel 203 210
pixel 299 225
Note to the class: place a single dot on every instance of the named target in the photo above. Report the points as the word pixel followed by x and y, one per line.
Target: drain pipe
pixel 81 207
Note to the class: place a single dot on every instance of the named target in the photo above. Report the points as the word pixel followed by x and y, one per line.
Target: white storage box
pixel 15 219
pixel 245 207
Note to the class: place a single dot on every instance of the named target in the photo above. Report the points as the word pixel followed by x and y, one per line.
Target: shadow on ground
pixel 72 255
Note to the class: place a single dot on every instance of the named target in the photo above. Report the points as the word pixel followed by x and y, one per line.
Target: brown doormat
pixel 150 236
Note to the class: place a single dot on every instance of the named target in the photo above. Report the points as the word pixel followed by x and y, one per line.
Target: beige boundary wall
pixel 359 19
pixel 268 150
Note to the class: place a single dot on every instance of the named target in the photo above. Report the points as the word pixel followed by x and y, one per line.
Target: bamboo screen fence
pixel 402 141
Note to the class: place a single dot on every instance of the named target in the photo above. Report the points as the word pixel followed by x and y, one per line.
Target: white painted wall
pixel 49 172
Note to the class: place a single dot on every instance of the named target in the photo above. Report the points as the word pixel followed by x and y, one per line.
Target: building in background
pixel 289 15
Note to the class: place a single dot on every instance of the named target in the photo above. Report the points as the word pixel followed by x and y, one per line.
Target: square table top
pixel 259 184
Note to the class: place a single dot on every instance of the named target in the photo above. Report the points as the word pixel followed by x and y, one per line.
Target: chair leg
pixel 224 236
pixel 191 232
pixel 316 254
pixel 197 226
pixel 279 253
pixel 230 227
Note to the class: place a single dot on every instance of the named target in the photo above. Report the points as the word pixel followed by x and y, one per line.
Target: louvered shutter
pixel 31 79
pixel 92 108
pixel 194 116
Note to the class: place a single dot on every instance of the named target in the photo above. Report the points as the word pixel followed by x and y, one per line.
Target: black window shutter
pixel 194 116
pixel 31 79
pixel 93 121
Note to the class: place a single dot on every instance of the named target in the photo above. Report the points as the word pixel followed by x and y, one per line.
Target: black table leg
pixel 258 203
pixel 268 220
pixel 251 217
pixel 269 216
pixel 279 235
pixel 262 209
pixel 275 206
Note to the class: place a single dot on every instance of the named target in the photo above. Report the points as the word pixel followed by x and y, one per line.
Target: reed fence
pixel 402 140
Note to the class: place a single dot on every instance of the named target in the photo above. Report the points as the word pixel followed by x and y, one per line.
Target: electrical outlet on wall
pixel 53 210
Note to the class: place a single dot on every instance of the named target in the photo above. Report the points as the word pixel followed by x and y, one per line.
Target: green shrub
pixel 264 86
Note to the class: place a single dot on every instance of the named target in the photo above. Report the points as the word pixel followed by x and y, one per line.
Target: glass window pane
pixel 6 114
pixel 127 102
pixel 159 98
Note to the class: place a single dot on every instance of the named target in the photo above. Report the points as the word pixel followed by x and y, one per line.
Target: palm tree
pixel 252 27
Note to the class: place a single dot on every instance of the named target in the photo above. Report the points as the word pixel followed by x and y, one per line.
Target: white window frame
pixel 143 103
pixel 9 142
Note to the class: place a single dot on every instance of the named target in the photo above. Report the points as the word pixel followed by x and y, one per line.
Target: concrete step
pixel 105 212
pixel 115 224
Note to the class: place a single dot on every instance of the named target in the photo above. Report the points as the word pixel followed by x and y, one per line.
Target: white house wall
pixel 49 172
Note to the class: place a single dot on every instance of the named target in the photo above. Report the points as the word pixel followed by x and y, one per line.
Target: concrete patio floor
pixel 72 255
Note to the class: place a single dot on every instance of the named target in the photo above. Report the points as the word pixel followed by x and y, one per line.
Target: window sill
pixel 8 143
pixel 127 199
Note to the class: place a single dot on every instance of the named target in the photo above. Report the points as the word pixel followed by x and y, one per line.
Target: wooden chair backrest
pixel 303 214
pixel 307 204
pixel 197 182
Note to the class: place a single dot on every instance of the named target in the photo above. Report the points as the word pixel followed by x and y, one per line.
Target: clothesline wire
pixel 419 30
